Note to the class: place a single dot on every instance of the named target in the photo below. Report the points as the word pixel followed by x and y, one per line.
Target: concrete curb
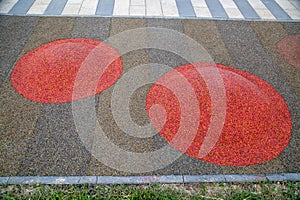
pixel 149 179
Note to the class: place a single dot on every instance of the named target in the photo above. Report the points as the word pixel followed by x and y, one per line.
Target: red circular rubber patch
pixel 289 48
pixel 256 126
pixel 48 73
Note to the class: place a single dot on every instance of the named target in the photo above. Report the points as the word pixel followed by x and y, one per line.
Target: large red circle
pixel 47 74
pixel 257 126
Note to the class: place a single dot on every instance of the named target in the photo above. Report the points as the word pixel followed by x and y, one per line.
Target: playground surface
pixel 107 127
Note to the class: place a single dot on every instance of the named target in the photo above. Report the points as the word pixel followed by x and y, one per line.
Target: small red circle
pixel 257 126
pixel 289 48
pixel 47 74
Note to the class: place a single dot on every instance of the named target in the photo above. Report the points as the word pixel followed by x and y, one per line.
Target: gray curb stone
pixel 88 179
pixel 4 180
pixel 138 179
pixel 243 178
pixel 148 179
pixel 204 178
pixel 44 180
pixel 23 180
pixel 284 177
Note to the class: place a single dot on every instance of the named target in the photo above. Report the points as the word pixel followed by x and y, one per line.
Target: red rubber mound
pixel 47 74
pixel 257 125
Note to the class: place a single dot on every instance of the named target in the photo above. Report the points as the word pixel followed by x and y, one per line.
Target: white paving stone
pixel 257 4
pixel 39 7
pixel 228 4
pixel 199 3
pixel 88 7
pixel 202 12
pixel 169 8
pixel 234 13
pixel 137 11
pixel 137 3
pixel 121 7
pixel 231 9
pixel 86 11
pixel 90 4
pixel 264 13
pixel 285 4
pixel 71 9
pixel 74 2
pixel 260 8
pixel 44 1
pixel 7 5
pixel 296 3
pixel 293 13
pixel 201 9
pixel 153 8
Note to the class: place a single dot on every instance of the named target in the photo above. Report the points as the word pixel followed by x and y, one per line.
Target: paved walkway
pixel 213 9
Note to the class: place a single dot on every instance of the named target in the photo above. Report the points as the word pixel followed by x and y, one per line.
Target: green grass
pixel 262 190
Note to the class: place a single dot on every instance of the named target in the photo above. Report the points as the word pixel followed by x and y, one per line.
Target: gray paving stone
pixel 216 9
pixel 185 8
pixel 246 9
pixel 275 9
pixel 55 7
pixel 21 7
pixel 105 7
